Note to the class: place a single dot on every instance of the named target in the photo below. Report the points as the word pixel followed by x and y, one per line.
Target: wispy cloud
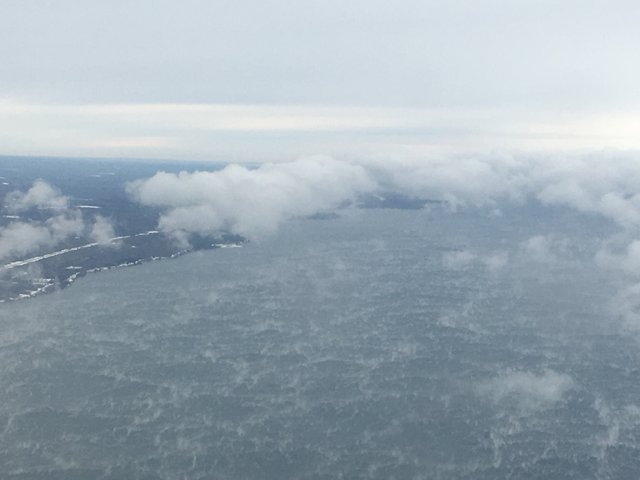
pixel 529 390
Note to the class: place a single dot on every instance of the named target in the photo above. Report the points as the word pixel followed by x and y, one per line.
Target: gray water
pixel 383 344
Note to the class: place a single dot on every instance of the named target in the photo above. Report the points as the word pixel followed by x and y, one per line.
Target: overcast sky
pixel 265 80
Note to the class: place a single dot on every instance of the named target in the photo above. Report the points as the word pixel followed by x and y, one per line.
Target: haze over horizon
pixel 253 81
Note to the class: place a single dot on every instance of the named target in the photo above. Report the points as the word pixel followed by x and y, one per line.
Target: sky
pixel 252 81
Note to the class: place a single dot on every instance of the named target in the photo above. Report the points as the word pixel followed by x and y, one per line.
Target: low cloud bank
pixel 250 202
pixel 23 237
pixel 605 184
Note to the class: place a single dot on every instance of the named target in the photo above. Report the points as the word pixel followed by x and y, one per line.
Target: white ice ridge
pixel 20 263
pixel 226 245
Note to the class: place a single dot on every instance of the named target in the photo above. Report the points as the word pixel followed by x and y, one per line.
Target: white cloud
pixel 250 202
pixel 619 422
pixel 606 184
pixel 102 231
pixel 538 248
pixel 528 389
pixel 457 260
pixel 627 261
pixel 496 261
pixel 625 306
pixel 41 195
pixel 458 180
pixel 254 202
pixel 20 238
pixel 624 211
pixel 64 226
